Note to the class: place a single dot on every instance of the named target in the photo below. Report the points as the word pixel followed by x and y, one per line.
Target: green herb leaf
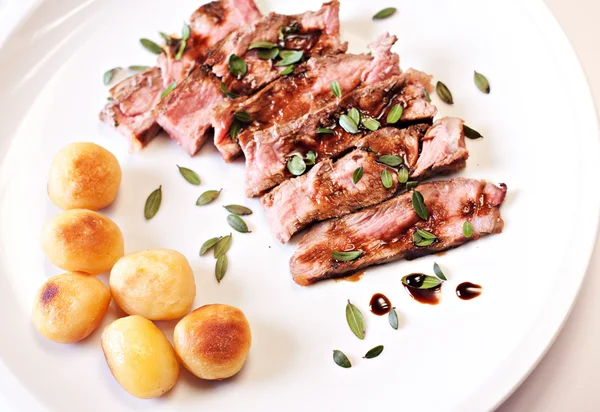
pixel 385 13
pixel 355 320
pixel 357 175
pixel 426 95
pixel 206 246
pixel 471 133
pixel 153 203
pixel 403 175
pixel 189 175
pixel 237 66
pixel 373 353
pixel 296 165
pixel 324 130
pixel 243 117
pixel 425 234
pixel 346 256
pixel 168 39
pixel 425 282
pixel 354 115
pixel 262 44
pixel 341 359
pixel 290 57
pixel 348 124
pixel 109 74
pixel 136 68
pixel 467 229
pixel 168 90
pixel 288 70
pixel 185 31
pixel 394 114
pixel 481 82
pixel 418 203
pixel 226 92
pixel 391 160
pixel 185 35
pixel 335 88
pixel 370 123
pixel 411 185
pixel 419 241
pixel 238 210
pixel 207 197
pixel 311 158
pixel 151 46
pixel 110 98
pixel 444 93
pixel 222 246
pixel 438 272
pixel 289 29
pixel 393 318
pixel 386 178
pixel 236 128
pixel 267 54
pixel 221 267
pixel 237 223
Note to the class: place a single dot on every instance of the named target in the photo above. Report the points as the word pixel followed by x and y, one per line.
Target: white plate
pixel 540 139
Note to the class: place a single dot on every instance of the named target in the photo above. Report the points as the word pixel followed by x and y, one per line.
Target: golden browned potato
pixel 84 176
pixel 69 307
pixel 140 357
pixel 213 341
pixel 157 284
pixel 82 241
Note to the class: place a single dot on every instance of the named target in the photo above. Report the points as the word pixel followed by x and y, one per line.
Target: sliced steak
pixel 309 89
pixel 328 189
pixel 130 109
pixel 384 233
pixel 268 151
pixel 201 92
pixel 208 25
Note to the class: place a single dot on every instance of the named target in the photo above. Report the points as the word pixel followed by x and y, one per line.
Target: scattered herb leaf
pixel 386 178
pixel 290 57
pixel 348 124
pixel 267 54
pixel 168 39
pixel 296 165
pixel 426 235
pixel 370 123
pixel 288 70
pixel 391 160
pixel 238 210
pixel 226 92
pixel 373 353
pixel 341 359
pixel 207 197
pixel 311 158
pixel 471 133
pixel 136 68
pixel 243 117
pixel 394 114
pixel 185 35
pixel 151 46
pixel 206 246
pixel 324 130
pixel 385 13
pixel 438 272
pixel 418 203
pixel 419 241
pixel 426 95
pixel 467 229
pixel 357 175
pixel 425 282
pixel 153 203
pixel 235 129
pixel 168 90
pixel 412 184
pixel 354 115
pixel 237 66
pixel 189 175
pixel 221 267
pixel 393 318
pixel 403 175
pixel 444 93
pixel 262 44
pixel 481 82
pixel 237 223
pixel 109 74
pixel 355 320
pixel 346 256
pixel 222 246
pixel 335 88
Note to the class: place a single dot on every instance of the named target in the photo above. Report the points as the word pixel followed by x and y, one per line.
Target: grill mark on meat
pixel 268 150
pixel 328 191
pixel 384 232
pixel 309 89
pixel 192 132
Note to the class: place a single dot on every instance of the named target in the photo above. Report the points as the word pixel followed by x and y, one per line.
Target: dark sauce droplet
pixel 380 304
pixel 428 296
pixel 468 290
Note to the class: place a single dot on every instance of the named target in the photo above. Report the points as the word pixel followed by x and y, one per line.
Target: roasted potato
pixel 82 241
pixel 84 176
pixel 140 357
pixel 69 307
pixel 157 284
pixel 213 341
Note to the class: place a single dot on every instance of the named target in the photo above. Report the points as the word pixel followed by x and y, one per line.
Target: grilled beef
pixel 268 151
pixel 129 111
pixel 208 25
pixel 384 233
pixel 309 89
pixel 314 33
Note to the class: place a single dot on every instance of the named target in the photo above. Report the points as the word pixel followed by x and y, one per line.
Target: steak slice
pixel 130 109
pixel 208 25
pixel 268 151
pixel 309 88
pixel 384 233
pixel 315 33
pixel 328 189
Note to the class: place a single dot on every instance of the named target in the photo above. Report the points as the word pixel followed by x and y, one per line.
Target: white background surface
pixel 567 378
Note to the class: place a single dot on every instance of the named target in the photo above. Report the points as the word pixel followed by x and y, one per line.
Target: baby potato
pixel 140 357
pixel 213 341
pixel 157 284
pixel 82 241
pixel 69 307
pixel 84 176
